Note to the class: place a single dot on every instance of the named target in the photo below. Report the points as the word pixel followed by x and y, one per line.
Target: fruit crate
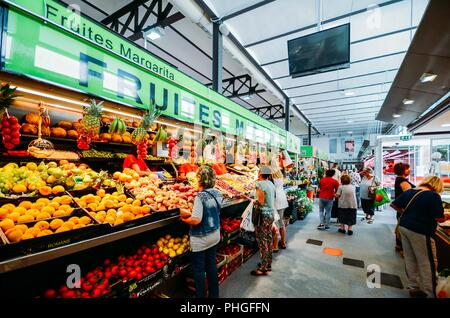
pixel 229 258
pixel 220 261
pixel 47 242
pixel 234 264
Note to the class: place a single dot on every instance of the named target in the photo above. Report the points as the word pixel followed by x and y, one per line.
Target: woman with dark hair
pixel 265 194
pixel 132 161
pixel 402 184
pixel 205 233
pixel 328 187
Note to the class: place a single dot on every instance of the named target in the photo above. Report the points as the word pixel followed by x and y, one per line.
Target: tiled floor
pixel 303 270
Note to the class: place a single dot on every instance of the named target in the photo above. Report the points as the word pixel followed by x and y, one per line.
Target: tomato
pixel 129 264
pixel 144 257
pixel 157 256
pixel 132 274
pixel 51 293
pixel 108 274
pixel 115 270
pixel 107 262
pixel 378 198
pixel 69 294
pixel 150 258
pixel 147 251
pixel 96 293
pixel 139 276
pixel 85 295
pixel 148 269
pixel 152 270
pixel 123 273
pixel 87 286
pixel 155 251
pixel 140 252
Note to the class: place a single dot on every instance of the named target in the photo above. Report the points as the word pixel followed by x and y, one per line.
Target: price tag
pixel 132 287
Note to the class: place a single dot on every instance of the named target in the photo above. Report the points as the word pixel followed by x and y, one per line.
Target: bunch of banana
pixel 161 135
pixel 118 126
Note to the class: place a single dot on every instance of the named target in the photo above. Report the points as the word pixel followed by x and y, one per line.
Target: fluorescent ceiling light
pixel 279 120
pixel 396 115
pixel 349 132
pixel 155 33
pixel 445 125
pixel 427 77
pixel 407 101
pixel 350 121
pixel 247 97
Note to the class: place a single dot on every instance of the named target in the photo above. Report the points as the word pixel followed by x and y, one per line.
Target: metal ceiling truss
pixel 241 85
pixel 272 112
pixel 247 9
pixel 136 23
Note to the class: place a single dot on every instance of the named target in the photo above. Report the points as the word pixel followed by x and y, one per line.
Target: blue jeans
pixel 358 196
pixel 325 207
pixel 205 262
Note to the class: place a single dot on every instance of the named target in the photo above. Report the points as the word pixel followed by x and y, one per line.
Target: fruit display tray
pixel 44 243
pixel 234 264
pixel 230 258
pixel 222 262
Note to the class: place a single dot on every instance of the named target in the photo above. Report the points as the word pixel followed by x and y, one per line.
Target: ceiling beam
pixel 245 10
pixel 165 22
pixel 358 61
pixel 315 24
pixel 130 7
pixel 344 89
pixel 341 79
pixel 335 99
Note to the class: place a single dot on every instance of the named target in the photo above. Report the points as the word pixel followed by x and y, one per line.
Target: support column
pixel 217 58
pixel 287 114
pixel 309 134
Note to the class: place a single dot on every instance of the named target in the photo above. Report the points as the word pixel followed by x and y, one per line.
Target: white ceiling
pixel 377 50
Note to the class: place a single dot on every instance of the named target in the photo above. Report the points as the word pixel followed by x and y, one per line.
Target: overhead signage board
pixel 47 41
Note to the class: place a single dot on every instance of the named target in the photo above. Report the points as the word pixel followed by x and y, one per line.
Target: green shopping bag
pixel 381 197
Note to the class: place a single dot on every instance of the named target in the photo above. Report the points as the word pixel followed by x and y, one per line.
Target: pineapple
pixel 7 96
pixel 140 133
pixel 90 124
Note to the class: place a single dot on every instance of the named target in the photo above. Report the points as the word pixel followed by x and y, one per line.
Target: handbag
pixel 256 214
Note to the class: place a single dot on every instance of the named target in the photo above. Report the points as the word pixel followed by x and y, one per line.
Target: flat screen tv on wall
pixel 319 52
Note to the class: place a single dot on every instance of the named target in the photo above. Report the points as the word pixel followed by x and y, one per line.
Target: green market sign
pixel 48 41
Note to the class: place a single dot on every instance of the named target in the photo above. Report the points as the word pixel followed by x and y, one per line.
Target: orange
pixel 22 227
pixel 27 236
pixel 56 223
pixel 20 210
pixel 122 197
pixel 33 231
pixel 19 188
pixel 14 216
pixel 45 190
pixel 129 200
pixel 57 199
pixel 65 199
pixel 123 177
pixel 63 162
pixel 33 212
pixel 43 216
pixel 62 229
pixel 136 210
pixel 54 205
pixel 145 209
pixel 110 220
pixel 9 207
pixel 69 225
pixel 101 207
pixel 109 204
pixel 25 218
pixel 59 213
pixel 37 205
pixel 128 216
pixel 101 193
pixel 14 235
pixel 3 213
pixel 92 206
pixel 42 225
pixel 74 220
pixel 85 220
pixel 45 201
pixel 89 198
pixel 44 233
pixel 78 226
pixel 26 204
pixel 58 189
pixel 118 221
pixel 48 209
pixel 65 207
pixel 116 175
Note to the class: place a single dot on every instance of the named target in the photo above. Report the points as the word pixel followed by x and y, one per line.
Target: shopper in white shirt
pixel 281 203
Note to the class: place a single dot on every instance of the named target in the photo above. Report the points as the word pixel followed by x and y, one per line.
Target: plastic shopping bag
pixel 247 224
pixel 381 197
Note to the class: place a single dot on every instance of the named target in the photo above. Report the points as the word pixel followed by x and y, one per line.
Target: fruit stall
pixel 67 205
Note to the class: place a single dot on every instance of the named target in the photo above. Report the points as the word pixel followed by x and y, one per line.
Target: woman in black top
pixel 422 209
pixel 402 184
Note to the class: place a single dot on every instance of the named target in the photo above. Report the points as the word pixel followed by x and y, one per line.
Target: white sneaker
pixel 321 227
